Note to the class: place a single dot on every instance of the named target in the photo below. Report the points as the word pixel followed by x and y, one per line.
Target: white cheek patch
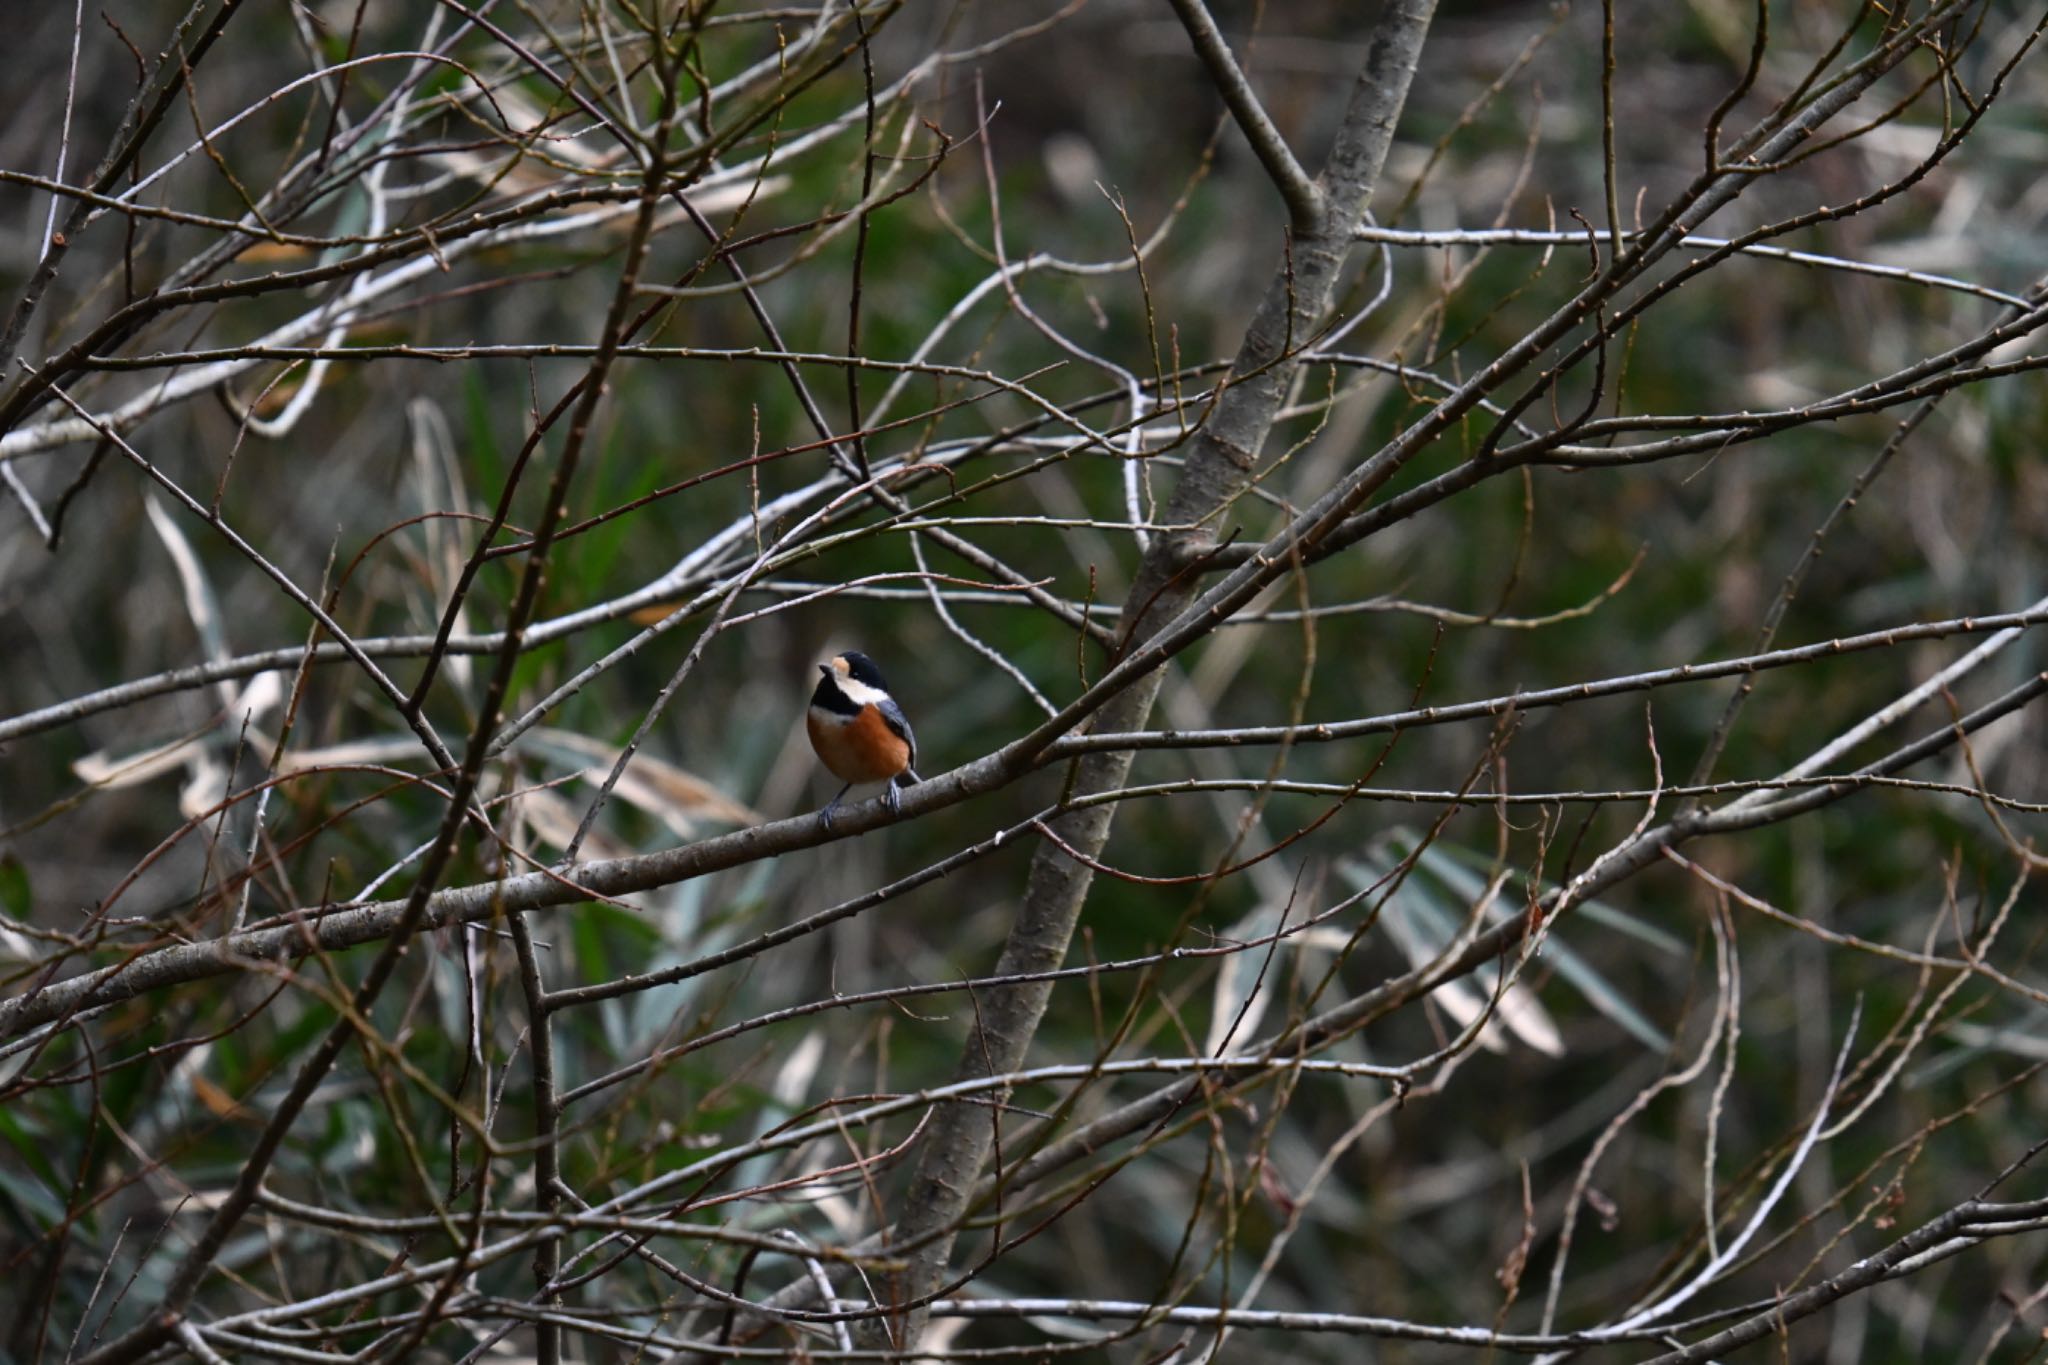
pixel 859 693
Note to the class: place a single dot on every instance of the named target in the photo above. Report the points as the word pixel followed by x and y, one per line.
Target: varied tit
pixel 859 731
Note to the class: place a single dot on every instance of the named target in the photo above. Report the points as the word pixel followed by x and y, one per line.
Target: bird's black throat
pixel 830 698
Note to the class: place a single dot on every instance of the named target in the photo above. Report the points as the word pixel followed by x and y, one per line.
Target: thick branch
pixel 1220 466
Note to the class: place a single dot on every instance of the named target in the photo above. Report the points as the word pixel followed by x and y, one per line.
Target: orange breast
pixel 861 749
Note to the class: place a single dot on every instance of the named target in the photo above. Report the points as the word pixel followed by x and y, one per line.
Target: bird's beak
pixel 826 669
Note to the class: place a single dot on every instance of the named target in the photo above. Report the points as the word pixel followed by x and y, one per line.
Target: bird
pixel 859 732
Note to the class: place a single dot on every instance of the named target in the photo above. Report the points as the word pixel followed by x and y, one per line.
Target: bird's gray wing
pixel 893 717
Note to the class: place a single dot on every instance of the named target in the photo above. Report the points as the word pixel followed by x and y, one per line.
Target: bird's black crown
pixel 861 669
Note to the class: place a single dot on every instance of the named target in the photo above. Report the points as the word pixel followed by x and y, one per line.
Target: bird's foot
pixel 825 815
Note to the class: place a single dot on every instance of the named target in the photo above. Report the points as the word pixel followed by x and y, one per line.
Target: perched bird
pixel 858 730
